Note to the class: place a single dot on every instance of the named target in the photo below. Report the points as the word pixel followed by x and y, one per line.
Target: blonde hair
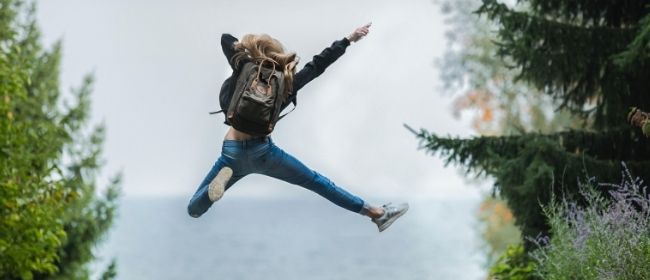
pixel 261 47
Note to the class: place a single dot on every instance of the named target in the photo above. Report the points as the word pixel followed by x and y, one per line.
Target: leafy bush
pixel 514 264
pixel 609 238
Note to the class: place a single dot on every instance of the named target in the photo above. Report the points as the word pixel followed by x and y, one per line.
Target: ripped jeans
pixel 261 156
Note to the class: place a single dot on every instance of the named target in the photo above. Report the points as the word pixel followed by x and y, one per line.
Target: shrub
pixel 609 238
pixel 514 264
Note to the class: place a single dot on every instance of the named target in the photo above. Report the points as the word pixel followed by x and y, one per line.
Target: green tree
pixel 502 105
pixel 590 58
pixel 50 214
pixel 484 84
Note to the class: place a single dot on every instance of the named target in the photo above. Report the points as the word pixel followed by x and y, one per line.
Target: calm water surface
pixel 304 237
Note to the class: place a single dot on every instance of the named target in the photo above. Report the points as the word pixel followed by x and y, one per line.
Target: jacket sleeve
pixel 319 63
pixel 227 45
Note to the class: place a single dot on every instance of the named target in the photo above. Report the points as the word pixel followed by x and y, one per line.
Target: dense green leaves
pixel 607 238
pixel 514 264
pixel 594 12
pixel 528 168
pixel 590 56
pixel 571 61
pixel 637 55
pixel 50 215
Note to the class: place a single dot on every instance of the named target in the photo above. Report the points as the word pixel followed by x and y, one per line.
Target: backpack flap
pixel 257 99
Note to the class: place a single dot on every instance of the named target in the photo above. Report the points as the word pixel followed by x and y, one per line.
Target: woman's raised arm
pixel 321 61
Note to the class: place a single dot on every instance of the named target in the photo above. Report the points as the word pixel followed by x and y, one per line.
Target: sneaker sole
pixel 392 220
pixel 217 187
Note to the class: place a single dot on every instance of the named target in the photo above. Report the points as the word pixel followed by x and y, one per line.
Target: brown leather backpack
pixel 257 99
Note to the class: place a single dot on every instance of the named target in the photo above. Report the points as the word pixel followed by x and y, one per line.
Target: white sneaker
pixel 391 213
pixel 217 187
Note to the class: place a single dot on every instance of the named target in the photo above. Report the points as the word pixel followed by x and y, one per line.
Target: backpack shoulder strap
pixel 294 107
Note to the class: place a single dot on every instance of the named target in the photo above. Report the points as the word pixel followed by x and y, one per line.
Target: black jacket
pixel 311 70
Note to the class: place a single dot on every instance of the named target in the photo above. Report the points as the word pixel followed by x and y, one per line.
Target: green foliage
pixel 530 167
pixel 590 12
pixel 50 216
pixel 514 264
pixel 111 272
pixel 609 238
pixel 637 53
pixel 567 50
pixel 487 84
pixel 571 58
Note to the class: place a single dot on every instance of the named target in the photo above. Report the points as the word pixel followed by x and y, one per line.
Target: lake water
pixel 303 237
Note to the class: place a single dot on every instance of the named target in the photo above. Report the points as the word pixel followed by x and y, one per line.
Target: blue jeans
pixel 261 156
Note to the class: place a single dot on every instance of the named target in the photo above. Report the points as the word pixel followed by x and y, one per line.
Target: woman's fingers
pixel 363 30
pixel 360 32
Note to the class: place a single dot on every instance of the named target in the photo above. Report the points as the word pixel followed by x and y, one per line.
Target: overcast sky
pixel 158 68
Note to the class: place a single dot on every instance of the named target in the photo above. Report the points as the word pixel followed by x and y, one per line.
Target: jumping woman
pixel 246 150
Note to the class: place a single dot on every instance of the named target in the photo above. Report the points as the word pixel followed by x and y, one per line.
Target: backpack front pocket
pixel 256 108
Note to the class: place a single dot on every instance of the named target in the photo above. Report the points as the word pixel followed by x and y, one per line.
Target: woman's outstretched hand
pixel 359 33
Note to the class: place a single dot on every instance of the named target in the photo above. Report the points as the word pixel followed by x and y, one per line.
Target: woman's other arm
pixel 228 46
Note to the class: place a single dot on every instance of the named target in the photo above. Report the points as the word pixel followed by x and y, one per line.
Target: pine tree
pixel 591 57
pixel 50 215
pixel 484 82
